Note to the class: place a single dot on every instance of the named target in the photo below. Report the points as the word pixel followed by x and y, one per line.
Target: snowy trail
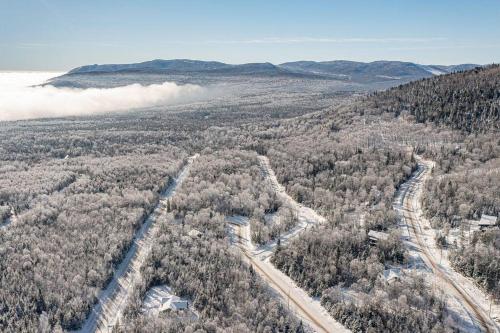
pixel 112 301
pixel 308 309
pixel 421 241
pixel 307 216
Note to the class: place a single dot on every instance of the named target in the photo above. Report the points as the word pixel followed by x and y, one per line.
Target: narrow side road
pixel 448 280
pixel 113 300
pixel 304 306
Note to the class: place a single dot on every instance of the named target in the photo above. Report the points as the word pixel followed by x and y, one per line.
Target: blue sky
pixel 62 34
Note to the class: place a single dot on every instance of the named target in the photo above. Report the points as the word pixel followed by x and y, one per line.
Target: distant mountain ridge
pixel 350 71
pixel 373 71
pixel 186 66
pixel 181 65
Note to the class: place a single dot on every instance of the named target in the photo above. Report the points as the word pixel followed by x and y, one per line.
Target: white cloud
pixel 19 100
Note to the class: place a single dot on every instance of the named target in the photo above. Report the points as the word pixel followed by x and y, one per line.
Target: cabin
pixel 391 275
pixel 173 303
pixel 376 236
pixel 194 233
pixel 487 222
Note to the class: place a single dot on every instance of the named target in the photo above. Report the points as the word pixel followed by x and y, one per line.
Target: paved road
pixel 113 300
pixel 412 212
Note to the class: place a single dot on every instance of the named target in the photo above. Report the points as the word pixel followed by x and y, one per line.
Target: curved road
pixel 303 305
pixel 412 212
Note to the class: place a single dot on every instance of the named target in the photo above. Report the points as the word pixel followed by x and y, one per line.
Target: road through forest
pixel 297 299
pixel 448 280
pixel 112 301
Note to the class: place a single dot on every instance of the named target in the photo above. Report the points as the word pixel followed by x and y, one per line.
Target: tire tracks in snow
pixel 411 211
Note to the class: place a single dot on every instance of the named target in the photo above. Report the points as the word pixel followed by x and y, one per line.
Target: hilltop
pixel 395 72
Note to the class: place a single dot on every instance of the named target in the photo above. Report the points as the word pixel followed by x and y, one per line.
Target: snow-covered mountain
pixel 372 71
pixel 392 72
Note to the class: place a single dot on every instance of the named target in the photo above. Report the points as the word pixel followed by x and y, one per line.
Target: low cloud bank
pixel 19 101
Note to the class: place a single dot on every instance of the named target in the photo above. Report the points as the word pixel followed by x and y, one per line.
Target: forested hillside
pixel 75 191
pixel 468 100
pixel 347 165
pixel 72 198
pixel 67 236
pixel 225 292
pixel 465 183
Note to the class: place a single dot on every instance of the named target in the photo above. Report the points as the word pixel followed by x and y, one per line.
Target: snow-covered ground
pixel 469 303
pixel 304 306
pixel 389 77
pixel 112 301
pixel 433 70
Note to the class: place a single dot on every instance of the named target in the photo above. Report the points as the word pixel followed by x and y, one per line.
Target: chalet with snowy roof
pixel 391 275
pixel 173 303
pixel 486 222
pixel 376 236
pixel 194 233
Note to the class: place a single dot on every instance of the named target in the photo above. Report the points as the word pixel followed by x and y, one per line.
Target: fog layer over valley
pixel 22 96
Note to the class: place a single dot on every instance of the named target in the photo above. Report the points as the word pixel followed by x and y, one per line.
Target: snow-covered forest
pixel 74 191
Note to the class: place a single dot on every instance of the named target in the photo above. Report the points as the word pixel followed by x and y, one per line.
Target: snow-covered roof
pixel 175 303
pixel 376 235
pixel 160 298
pixel 488 220
pixel 194 233
pixel 391 275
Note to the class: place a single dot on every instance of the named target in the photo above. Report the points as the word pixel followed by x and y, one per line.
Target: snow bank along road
pixel 307 308
pixel 113 300
pixel 449 279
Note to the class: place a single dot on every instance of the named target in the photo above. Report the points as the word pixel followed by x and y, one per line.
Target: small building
pixel 487 222
pixel 173 303
pixel 376 236
pixel 194 233
pixel 391 275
